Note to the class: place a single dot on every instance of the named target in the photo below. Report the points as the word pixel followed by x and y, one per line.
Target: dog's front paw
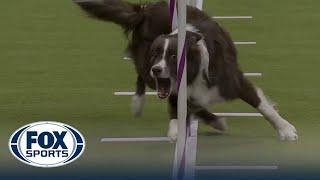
pixel 220 124
pixel 288 132
pixel 173 130
pixel 137 105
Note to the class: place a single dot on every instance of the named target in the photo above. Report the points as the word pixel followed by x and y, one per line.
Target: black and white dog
pixel 212 69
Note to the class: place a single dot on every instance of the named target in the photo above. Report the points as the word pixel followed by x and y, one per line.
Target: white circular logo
pixel 47 144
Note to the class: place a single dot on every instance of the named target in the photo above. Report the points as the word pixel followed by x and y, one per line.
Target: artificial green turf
pixel 57 64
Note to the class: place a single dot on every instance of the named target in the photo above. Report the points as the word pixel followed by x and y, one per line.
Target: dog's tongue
pixel 163 87
pixel 163 93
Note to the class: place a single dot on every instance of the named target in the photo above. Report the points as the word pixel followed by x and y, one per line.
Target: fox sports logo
pixel 47 144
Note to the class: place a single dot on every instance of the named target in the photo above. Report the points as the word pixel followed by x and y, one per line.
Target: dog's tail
pixel 123 13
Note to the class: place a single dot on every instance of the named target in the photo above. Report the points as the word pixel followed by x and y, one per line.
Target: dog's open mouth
pixel 163 87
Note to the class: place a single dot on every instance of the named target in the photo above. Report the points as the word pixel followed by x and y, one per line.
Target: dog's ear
pixel 193 37
pixel 193 55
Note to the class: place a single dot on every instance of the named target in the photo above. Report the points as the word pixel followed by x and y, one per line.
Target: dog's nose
pixel 156 70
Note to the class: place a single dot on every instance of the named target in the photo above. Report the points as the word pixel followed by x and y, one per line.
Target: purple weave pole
pixel 178 19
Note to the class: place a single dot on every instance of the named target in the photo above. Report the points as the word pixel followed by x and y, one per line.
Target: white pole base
pixel 232 17
pixel 138 139
pixel 238 114
pixel 236 168
pixel 245 43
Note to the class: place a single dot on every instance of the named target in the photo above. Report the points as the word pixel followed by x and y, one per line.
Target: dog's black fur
pixel 145 24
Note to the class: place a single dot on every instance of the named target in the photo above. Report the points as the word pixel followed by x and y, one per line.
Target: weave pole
pixel 179 169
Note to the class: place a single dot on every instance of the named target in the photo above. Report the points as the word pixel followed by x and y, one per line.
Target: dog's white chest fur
pixel 202 95
pixel 198 91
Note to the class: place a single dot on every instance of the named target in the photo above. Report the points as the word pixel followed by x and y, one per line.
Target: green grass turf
pixel 57 64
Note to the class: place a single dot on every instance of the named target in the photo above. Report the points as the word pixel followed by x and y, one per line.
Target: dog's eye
pixel 155 54
pixel 173 60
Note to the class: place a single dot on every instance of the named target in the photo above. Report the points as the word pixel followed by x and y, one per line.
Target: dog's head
pixel 164 61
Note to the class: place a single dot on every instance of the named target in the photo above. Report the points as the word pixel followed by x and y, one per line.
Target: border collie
pixel 213 74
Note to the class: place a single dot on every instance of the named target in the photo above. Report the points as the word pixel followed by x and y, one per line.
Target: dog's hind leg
pixel 212 120
pixel 256 98
pixel 138 99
